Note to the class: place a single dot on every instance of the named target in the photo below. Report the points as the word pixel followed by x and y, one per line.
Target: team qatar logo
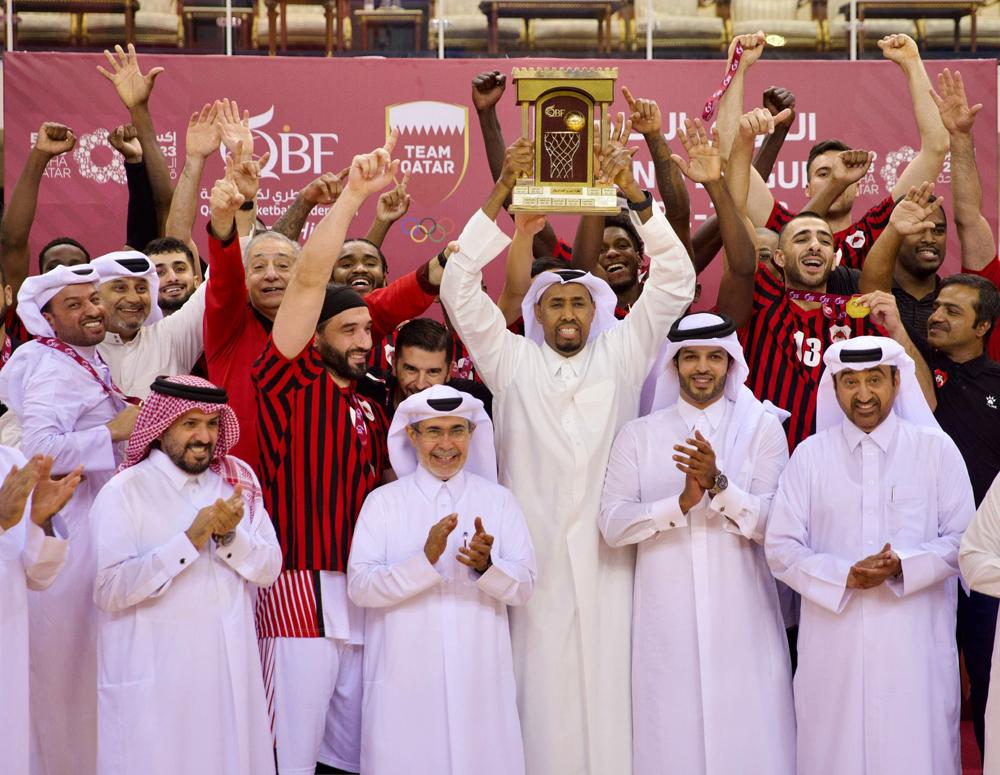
pixel 433 147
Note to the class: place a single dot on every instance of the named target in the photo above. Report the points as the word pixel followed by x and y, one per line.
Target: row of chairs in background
pixel 707 25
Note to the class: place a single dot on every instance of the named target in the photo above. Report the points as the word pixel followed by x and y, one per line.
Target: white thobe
pixel 168 347
pixel 877 685
pixel 63 411
pixel 180 684
pixel 438 674
pixel 711 676
pixel 979 559
pixel 556 419
pixel 29 559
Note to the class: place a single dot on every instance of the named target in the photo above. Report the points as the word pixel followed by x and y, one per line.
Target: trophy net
pixel 561 147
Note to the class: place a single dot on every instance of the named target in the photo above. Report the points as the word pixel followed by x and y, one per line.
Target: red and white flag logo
pixel 433 147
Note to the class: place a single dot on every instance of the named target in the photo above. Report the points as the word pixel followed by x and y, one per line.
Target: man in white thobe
pixel 71 409
pixel 182 535
pixel 691 484
pixel 437 557
pixel 866 526
pixel 142 344
pixel 561 394
pixel 32 552
pixel 979 560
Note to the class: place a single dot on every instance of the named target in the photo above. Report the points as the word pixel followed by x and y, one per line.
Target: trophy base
pixel 583 200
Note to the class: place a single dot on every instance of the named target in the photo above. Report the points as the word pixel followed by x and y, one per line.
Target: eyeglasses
pixel 457 433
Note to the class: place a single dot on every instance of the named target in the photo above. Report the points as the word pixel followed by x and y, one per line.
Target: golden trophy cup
pixel 564 101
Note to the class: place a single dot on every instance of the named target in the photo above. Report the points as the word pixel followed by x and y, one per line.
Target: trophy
pixel 564 100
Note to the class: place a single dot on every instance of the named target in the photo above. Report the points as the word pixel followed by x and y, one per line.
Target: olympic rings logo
pixel 427 228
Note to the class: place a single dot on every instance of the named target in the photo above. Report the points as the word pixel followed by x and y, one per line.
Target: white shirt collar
pixel 882 435
pixel 690 413
pixel 177 477
pixel 430 485
pixel 571 367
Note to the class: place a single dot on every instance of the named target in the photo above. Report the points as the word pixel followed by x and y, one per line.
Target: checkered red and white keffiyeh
pixel 160 411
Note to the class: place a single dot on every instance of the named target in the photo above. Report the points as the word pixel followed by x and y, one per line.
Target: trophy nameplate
pixel 564 102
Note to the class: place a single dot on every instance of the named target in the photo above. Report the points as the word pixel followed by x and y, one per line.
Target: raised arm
pixel 202 141
pixel 322 191
pixel 487 89
pixel 740 267
pixel 15 253
pixel 908 217
pixel 477 320
pixel 295 323
pixel 391 206
pixel 647 121
pixel 236 136
pixel 141 225
pixel 974 232
pixel 760 201
pixel 519 260
pixel 707 241
pixel 134 89
pixel 926 165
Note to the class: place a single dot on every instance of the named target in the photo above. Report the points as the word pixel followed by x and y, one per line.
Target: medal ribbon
pixel 834 306
pixel 713 101
pixel 64 348
pixel 8 348
pixel 359 421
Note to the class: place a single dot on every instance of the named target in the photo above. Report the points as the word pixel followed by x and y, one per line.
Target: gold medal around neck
pixel 855 309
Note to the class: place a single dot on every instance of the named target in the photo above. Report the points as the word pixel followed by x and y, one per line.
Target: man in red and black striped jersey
pixel 832 195
pixel 322 445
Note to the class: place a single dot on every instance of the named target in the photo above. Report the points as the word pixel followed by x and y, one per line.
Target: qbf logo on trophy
pixel 564 101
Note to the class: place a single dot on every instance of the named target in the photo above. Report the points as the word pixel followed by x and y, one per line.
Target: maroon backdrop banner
pixel 313 115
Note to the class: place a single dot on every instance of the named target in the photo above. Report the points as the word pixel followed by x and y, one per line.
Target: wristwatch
pixel 442 259
pixel 645 204
pixel 248 205
pixel 720 484
pixel 225 540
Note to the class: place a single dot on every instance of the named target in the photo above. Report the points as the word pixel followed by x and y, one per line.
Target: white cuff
pixel 177 554
pixel 41 548
pixel 666 514
pixel 237 551
pixel 729 503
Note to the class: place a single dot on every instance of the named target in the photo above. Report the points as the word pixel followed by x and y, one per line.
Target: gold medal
pixel 854 309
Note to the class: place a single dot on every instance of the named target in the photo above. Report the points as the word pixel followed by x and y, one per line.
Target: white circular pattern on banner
pixel 83 156
pixel 893 161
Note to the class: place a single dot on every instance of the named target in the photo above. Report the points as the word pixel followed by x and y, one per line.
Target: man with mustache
pixel 866 526
pixel 321 433
pixel 242 301
pixel 183 539
pixel 70 408
pixel 702 583
pixel 141 343
pixel 966 390
pixel 561 393
pixel 444 538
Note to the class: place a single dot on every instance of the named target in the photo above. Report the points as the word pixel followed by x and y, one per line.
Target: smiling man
pixel 866 526
pixel 445 537
pixel 70 408
pixel 175 267
pixel 691 485
pixel 142 344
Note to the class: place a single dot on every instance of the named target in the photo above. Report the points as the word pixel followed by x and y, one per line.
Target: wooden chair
pixel 794 20
pixel 683 24
pixel 157 23
pixel 306 27
pixel 466 27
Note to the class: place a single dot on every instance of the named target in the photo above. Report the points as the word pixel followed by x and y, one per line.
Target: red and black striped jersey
pixel 784 346
pixel 322 450
pixel 853 243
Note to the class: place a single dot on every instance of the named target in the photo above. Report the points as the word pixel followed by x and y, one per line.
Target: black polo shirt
pixel 385 395
pixel 914 312
pixel 968 410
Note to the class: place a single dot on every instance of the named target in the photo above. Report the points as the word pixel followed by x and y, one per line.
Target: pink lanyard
pixel 834 306
pixel 713 101
pixel 8 348
pixel 64 348
pixel 359 419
